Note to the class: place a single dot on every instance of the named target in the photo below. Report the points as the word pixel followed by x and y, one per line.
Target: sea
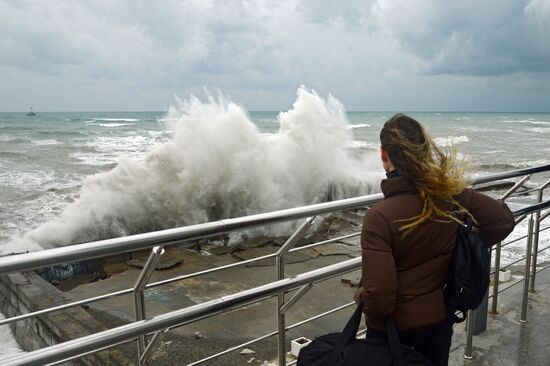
pixel 73 177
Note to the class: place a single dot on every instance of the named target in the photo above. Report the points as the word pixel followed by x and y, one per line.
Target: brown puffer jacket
pixel 404 277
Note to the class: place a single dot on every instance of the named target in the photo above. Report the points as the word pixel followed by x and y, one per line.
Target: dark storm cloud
pixel 481 38
pixel 369 53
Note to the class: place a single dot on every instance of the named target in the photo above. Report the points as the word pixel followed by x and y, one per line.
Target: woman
pixel 408 238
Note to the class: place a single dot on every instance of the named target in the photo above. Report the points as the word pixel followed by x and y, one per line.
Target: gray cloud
pixel 470 37
pixel 259 51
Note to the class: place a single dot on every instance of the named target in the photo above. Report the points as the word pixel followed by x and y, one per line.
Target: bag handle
pixel 350 330
pixel 395 344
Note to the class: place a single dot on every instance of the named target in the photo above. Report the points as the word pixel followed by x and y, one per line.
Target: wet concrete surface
pixel 506 341
pixel 182 345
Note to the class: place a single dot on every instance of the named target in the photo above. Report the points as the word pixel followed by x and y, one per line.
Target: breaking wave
pixel 216 165
pixel 450 140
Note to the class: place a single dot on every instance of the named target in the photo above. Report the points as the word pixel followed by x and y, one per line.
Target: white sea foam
pixel 510 253
pixel 538 129
pixel 216 165
pixel 8 344
pixel 46 142
pixel 27 179
pixel 527 121
pixel 450 140
pixel 110 124
pixel 357 144
pixel 107 149
pixel 166 120
pixel 494 151
pixel 114 119
pixel 360 125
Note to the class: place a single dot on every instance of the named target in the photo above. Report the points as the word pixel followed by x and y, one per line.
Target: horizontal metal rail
pixel 167 281
pixel 266 336
pixel 194 274
pixel 522 279
pixel 532 208
pixel 524 193
pixel 77 347
pixel 511 174
pixel 109 247
pixel 510 264
pixel 521 238
pixel 522 259
pixel 102 248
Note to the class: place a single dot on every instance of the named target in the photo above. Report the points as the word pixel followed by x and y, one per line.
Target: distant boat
pixel 31 113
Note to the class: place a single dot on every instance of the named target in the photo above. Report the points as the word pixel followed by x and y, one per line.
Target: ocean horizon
pixel 73 177
pixel 218 151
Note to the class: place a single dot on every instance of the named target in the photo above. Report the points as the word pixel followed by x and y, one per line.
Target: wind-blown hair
pixel 437 174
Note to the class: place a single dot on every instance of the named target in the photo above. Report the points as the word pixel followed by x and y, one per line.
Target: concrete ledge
pixel 22 293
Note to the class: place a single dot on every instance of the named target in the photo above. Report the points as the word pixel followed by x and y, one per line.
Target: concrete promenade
pixel 506 341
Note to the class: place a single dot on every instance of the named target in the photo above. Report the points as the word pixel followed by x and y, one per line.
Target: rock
pixel 247 351
pixel 164 262
pixel 70 283
pixel 218 250
pixel 353 241
pixel 115 268
pixel 256 242
pixel 251 360
pixel 483 187
pixel 310 252
pixel 352 278
pixel 339 225
pixel 333 249
pixel 198 335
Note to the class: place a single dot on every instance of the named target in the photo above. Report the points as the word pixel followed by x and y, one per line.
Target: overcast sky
pixel 397 55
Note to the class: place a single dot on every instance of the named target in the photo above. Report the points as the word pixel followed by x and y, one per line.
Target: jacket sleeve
pixel 494 218
pixel 379 274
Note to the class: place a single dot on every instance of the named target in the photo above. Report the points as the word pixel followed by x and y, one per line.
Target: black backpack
pixel 468 278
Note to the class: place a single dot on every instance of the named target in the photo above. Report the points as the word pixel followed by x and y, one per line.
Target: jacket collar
pixel 397 185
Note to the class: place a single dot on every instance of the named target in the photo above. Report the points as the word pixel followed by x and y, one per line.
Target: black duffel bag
pixel 344 349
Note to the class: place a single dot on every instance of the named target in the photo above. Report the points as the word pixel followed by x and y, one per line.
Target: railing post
pixel 280 267
pixel 494 301
pixel 496 278
pixel 523 317
pixel 536 238
pixel 148 352
pixel 470 323
pixel 139 301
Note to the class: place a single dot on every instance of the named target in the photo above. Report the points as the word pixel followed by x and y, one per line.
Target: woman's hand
pixel 357 295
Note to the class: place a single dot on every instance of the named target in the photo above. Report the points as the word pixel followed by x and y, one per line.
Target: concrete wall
pixel 26 292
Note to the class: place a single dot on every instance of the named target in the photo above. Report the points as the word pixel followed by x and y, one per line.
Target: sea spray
pixel 216 165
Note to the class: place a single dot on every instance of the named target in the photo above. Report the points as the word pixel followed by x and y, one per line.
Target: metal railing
pixel 76 348
pixel 140 328
pixel 532 235
pixel 110 247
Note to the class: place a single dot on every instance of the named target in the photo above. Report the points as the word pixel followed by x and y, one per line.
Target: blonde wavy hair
pixel 436 173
